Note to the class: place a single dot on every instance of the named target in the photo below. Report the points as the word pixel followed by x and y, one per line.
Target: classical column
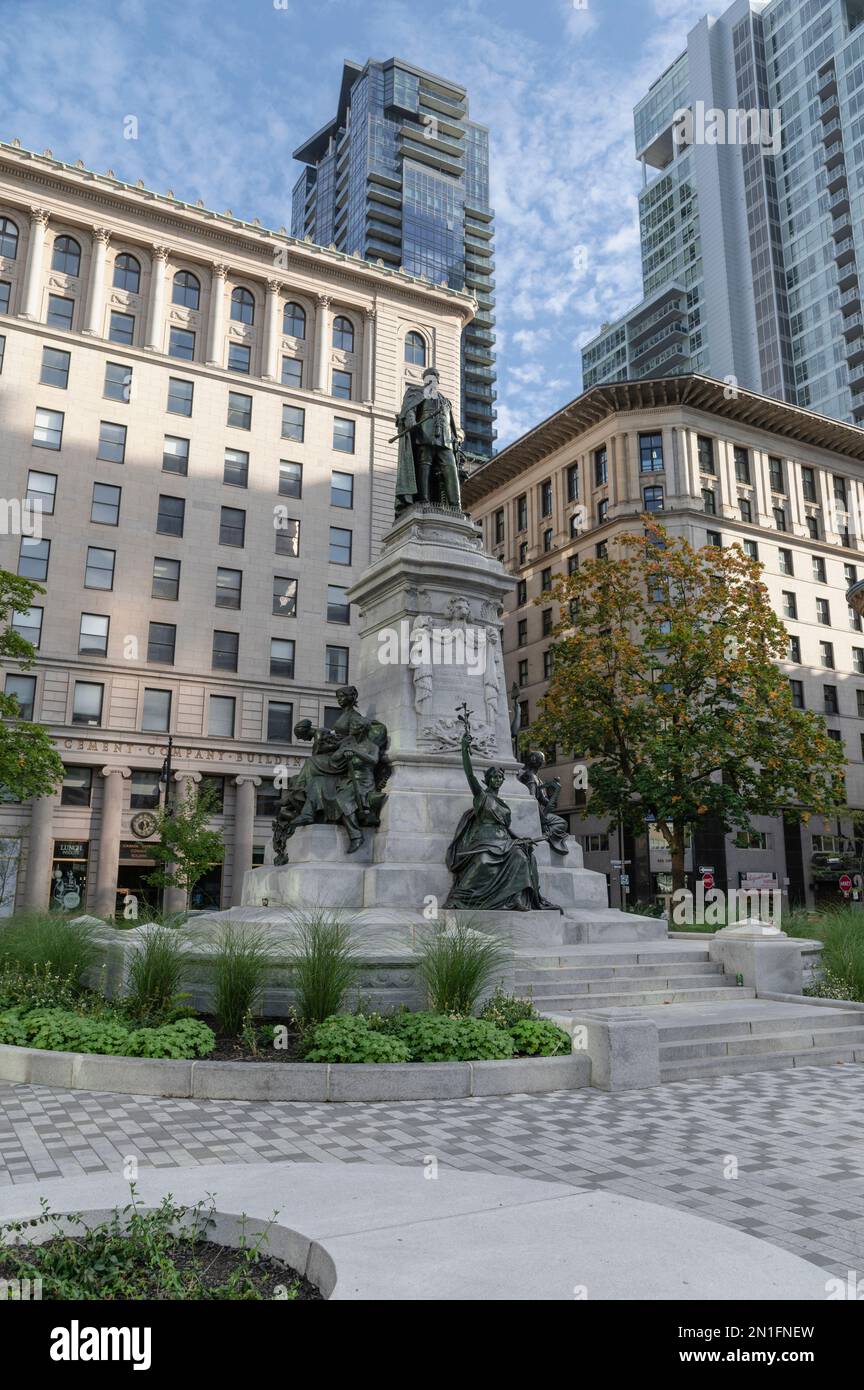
pixel 156 312
pixel 96 286
pixel 825 493
pixel 33 270
pixel 174 899
pixel 216 323
pixel 105 904
pixel 270 358
pixel 322 340
pixel 796 499
pixel 369 356
pixel 37 887
pixel 244 827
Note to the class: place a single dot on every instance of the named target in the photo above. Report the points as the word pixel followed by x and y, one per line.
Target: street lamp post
pixel 165 781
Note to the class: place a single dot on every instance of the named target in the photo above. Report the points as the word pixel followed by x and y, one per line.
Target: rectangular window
pixel 166 578
pixel 498 527
pixel 742 464
pixel 548 535
pixel 850 575
pixel 93 635
pixel 797 689
pixel 808 484
pixel 854 619
pixel 522 512
pixel 28 624
pixel 229 588
pixel 813 527
pixel 545 580
pixel 156 713
pixel 87 703
pixel 23 689
pixel 600 466
pixel 521 593
pixel 523 672
pixel 60 312
pixel 284 596
pixel 780 518
pixel 121 328
pixel 823 612
pixel 786 562
pixel 705 449
pixel 340 546
pixel 33 558
pixel 858 660
pixel 282 658
pixel 546 498
pixel 341 385
pixel 280 721
pixel 826 655
pixel 790 604
pixel 232 527
pixel 112 442
pixel 220 723
pixel 48 429
pixel 239 358
pixel 288 536
pixel 709 501
pixel 181 343
pixel 292 372
pixel 794 653
pixel 99 569
pixel 572 484
pixel 775 472
pixel 226 649
pixel 602 510
pixel 829 693
pixel 77 786
pixel 145 791
pixel 547 665
pixel 745 509
pixel 522 632
pixel 5 289
pixel 751 550
pixel 336 666
pixel 652 498
pixel 175 455
pixel 171 515
pixel 819 572
pixel 118 382
pixel 236 468
pixel 523 552
pixel 839 485
pixel 343 436
pixel 338 607
pixel 239 411
pixel 547 622
pixel 601 550
pixel 161 639
pixel 55 368
pixel 650 453
pixel 714 538
pixel 290 479
pixel 524 713
pixel 342 490
pixel 293 423
pixel 859 700
pixel 180 396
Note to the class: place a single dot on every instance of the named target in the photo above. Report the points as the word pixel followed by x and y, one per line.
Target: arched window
pixel 294 320
pixel 187 289
pixel 242 305
pixel 66 255
pixel 127 273
pixel 415 349
pixel 8 238
pixel 343 333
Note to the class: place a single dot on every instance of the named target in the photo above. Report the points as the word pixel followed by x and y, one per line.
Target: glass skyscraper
pixel 402 175
pixel 752 246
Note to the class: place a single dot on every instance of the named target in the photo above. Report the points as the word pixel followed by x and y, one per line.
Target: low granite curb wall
pixel 286 1081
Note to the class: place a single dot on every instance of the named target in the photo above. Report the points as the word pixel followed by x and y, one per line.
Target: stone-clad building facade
pixel 720 467
pixel 199 410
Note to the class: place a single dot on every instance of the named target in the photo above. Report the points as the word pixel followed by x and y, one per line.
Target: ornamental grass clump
pixel 153 986
pixel 48 941
pixel 457 964
pixel 242 960
pixel 841 931
pixel 324 960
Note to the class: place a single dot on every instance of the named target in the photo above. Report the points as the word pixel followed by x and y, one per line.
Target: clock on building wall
pixel 143 824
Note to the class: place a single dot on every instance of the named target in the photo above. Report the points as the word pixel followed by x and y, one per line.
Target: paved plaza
pixel 795 1139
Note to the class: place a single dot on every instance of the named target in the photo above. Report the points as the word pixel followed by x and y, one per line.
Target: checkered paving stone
pixel 797 1138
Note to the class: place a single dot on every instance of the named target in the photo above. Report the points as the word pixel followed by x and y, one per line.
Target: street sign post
pixel 707 881
pixel 845 885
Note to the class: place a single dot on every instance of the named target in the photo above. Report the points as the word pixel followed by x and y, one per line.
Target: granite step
pixel 754 1044
pixel 631 971
pixel 590 985
pixel 766 1061
pixel 582 1003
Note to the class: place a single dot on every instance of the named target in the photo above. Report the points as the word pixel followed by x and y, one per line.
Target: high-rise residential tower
pixel 401 175
pixel 752 228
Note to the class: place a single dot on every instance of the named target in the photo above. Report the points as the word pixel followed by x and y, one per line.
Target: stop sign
pixel 708 882
pixel 845 883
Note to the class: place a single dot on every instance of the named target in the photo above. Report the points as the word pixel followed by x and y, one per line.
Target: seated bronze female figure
pixel 492 867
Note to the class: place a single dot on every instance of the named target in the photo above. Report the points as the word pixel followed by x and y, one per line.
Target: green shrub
pixel 12 1030
pixel 457 964
pixel 242 960
pixel 830 986
pixel 506 1009
pixel 188 1037
pixel 324 961
pixel 155 973
pixel 348 1038
pixel 841 930
pixel 36 987
pixel 47 940
pixel 106 1034
pixel 540 1037
pixel 432 1037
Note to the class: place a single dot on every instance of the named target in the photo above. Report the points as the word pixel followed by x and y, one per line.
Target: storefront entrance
pixel 133 870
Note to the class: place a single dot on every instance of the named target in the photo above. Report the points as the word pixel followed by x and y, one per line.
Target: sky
pixel 224 90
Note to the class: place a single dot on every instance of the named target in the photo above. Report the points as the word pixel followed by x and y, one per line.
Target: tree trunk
pixel 679 877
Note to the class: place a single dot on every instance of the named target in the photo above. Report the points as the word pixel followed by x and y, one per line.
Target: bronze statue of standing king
pixel 429 447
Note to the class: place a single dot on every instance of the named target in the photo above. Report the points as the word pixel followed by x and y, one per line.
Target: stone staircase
pixel 708 1025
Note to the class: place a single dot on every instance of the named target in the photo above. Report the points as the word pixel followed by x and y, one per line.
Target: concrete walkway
pixel 420 1234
